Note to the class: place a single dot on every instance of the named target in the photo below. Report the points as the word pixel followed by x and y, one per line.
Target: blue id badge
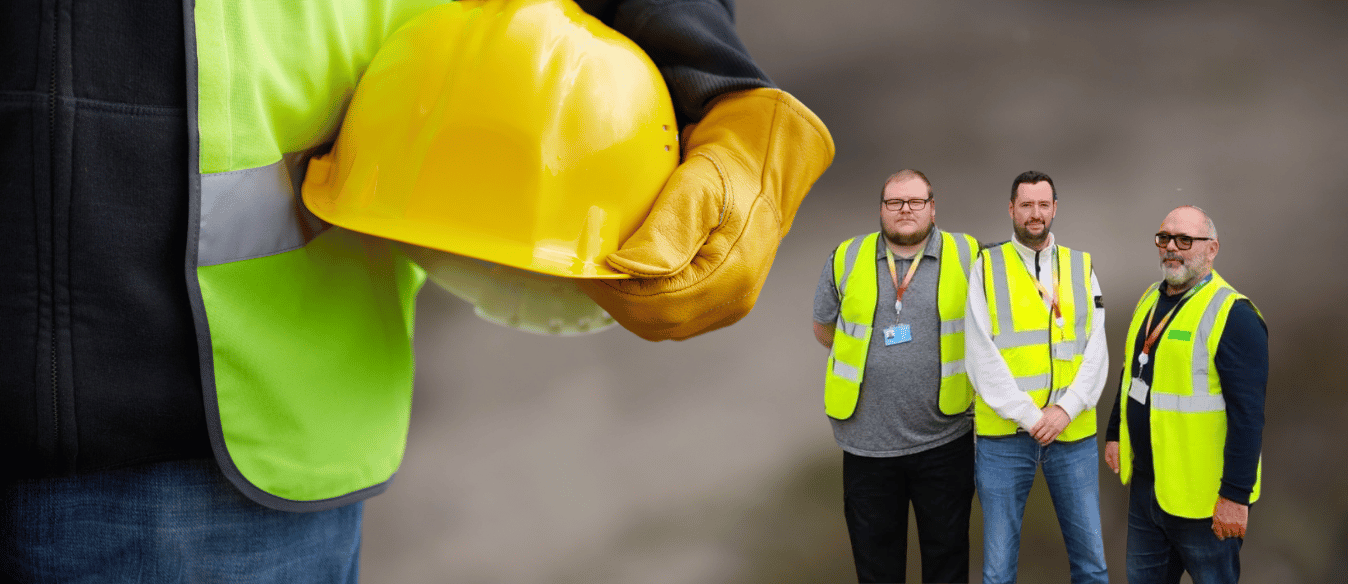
pixel 899 333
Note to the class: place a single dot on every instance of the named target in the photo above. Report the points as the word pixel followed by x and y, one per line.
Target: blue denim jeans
pixel 1161 546
pixel 176 521
pixel 1004 471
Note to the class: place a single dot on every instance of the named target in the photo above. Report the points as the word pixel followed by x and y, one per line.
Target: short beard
pixel 1028 239
pixel 905 241
pixel 1181 276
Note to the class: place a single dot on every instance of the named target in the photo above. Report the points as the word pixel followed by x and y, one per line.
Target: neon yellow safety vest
pixel 854 275
pixel 1024 332
pixel 304 333
pixel 1188 412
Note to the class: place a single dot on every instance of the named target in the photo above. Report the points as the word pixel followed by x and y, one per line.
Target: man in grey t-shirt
pixel 890 306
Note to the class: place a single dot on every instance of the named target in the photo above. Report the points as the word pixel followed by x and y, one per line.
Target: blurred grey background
pixel 606 458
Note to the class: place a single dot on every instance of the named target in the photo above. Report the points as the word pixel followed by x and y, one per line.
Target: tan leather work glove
pixel 702 255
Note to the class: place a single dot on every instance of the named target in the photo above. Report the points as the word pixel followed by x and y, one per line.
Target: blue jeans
pixel 1004 471
pixel 178 521
pixel 1161 546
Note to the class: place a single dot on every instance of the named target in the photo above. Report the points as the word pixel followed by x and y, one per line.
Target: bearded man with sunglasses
pixel 890 306
pixel 1188 434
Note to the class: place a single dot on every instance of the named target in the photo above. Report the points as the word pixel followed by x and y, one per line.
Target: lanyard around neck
pixel 1156 332
pixel 899 289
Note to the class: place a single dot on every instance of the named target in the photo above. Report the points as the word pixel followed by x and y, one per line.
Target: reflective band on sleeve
pixel 1200 359
pixel 1033 382
pixel 849 260
pixel 954 325
pixel 252 213
pixel 846 371
pixel 1187 403
pixel 952 368
pixel 852 329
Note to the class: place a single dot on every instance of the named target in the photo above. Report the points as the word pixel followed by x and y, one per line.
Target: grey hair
pixel 1212 227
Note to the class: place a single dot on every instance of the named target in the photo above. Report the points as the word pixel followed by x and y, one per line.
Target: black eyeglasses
pixel 1181 241
pixel 914 204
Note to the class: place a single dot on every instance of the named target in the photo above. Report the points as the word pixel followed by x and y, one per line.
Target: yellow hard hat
pixel 524 133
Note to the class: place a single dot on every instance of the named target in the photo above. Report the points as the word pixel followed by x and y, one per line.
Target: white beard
pixel 1179 276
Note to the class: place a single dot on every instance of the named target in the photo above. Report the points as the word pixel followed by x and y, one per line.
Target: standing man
pixel 1037 358
pixel 1191 441
pixel 892 309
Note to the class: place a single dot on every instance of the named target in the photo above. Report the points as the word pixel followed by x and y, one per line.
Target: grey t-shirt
pixel 897 412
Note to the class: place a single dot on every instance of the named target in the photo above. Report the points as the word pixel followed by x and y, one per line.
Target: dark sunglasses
pixel 1181 241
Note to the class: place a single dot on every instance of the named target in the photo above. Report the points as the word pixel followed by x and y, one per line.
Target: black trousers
pixel 940 485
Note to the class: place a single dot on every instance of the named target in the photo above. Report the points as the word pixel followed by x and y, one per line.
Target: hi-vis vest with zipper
pixel 1024 332
pixel 1188 412
pixel 854 275
pixel 304 331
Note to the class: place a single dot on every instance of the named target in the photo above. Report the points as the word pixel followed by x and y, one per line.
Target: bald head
pixel 1192 217
pixel 1183 268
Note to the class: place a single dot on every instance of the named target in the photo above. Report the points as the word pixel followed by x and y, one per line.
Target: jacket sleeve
pixel 1242 365
pixel 694 44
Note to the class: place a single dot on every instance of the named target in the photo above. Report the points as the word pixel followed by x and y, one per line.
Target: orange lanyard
pixel 1156 332
pixel 1052 298
pixel 899 289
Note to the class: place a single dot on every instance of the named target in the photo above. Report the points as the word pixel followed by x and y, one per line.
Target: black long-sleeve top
pixel 1242 366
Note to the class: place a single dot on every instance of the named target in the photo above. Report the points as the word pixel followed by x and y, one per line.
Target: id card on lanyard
pixel 1139 389
pixel 900 332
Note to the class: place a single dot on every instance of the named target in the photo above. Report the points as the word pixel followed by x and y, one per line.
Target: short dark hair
pixel 1031 177
pixel 906 174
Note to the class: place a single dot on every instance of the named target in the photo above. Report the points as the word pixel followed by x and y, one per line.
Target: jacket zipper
pixel 51 137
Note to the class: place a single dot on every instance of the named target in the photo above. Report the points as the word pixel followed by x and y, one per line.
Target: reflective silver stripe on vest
pixel 1081 297
pixel 253 213
pixel 846 371
pixel 1001 293
pixel 852 329
pixel 1019 339
pixel 1187 403
pixel 849 260
pixel 1033 382
pixel 954 325
pixel 952 368
pixel 962 244
pixel 1201 357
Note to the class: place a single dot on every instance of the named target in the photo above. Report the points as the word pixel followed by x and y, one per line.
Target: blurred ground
pixel 610 459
